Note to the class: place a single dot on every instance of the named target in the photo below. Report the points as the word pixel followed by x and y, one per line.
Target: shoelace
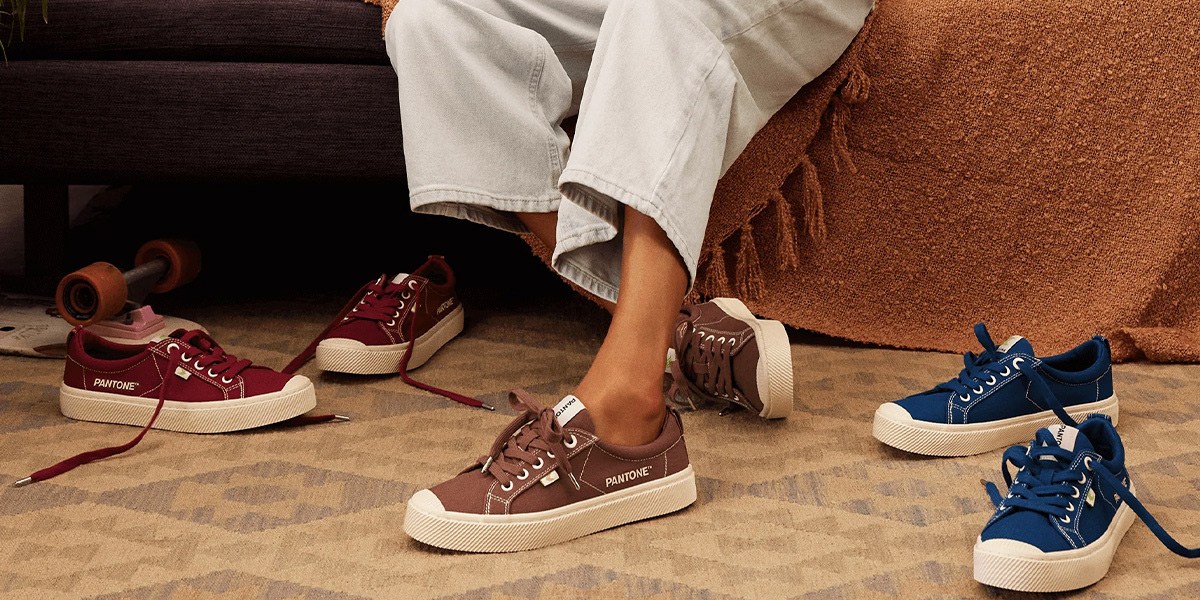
pixel 212 358
pixel 1048 486
pixel 709 371
pixel 535 427
pixel 383 301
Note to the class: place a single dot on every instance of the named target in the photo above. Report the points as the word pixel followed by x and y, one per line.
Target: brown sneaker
pixel 548 479
pixel 723 353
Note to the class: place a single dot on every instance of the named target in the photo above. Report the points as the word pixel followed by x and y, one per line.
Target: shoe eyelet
pixel 1082 479
pixel 396 315
pixel 226 380
pixel 172 346
pixel 550 455
pixel 1075 491
pixel 1005 372
pixel 991 380
pixel 406 295
pixel 524 475
pixel 184 358
pixel 721 340
pixel 412 284
pixel 1087 462
pixel 400 307
pixel 198 367
pixel 978 390
pixel 1070 507
pixel 572 442
pixel 391 323
pixel 507 487
pixel 1065 518
pixel 964 398
pixel 211 374
pixel 710 338
pixel 732 340
pixel 539 464
pixel 1017 362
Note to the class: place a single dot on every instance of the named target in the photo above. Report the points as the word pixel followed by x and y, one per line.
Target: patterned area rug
pixel 810 507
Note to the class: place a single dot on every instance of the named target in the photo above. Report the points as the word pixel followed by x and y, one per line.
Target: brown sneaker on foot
pixel 549 479
pixel 724 354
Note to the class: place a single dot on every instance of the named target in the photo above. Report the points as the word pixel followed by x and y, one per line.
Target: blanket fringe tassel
pixel 716 280
pixel 750 281
pixel 785 227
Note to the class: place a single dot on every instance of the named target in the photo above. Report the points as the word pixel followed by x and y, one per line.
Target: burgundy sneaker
pixel 374 335
pixel 183 382
pixel 723 353
pixel 371 334
pixel 548 479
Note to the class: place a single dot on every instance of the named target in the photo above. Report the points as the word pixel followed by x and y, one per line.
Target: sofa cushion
pixel 314 31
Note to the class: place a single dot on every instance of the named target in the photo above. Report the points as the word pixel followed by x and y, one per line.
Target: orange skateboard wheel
pixel 93 293
pixel 183 260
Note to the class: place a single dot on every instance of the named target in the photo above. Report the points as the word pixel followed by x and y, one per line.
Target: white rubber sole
pixel 775 359
pixel 342 355
pixel 896 428
pixel 1018 566
pixel 296 398
pixel 426 521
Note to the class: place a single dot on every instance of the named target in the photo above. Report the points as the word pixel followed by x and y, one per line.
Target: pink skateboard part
pixel 142 322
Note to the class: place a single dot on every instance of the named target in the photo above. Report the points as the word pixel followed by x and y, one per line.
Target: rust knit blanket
pixel 1033 165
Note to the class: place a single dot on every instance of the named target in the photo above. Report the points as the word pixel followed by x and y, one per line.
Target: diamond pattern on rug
pixel 260 496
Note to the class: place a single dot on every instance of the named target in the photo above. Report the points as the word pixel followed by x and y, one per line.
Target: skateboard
pixel 102 298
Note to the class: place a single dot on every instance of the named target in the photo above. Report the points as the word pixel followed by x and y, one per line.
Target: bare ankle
pixel 624 417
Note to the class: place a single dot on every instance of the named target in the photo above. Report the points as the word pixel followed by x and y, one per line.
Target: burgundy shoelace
pixel 708 373
pixel 535 428
pixel 212 358
pixel 380 300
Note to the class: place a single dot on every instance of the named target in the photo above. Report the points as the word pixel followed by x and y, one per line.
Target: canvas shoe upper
pixel 547 479
pixel 1065 513
pixel 1002 395
pixel 722 353
pixel 183 382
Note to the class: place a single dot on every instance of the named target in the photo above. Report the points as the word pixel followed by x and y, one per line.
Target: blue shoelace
pixel 979 369
pixel 1047 486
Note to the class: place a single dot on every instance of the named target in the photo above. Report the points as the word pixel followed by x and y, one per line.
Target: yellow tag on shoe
pixel 182 373
pixel 550 478
pixel 1091 497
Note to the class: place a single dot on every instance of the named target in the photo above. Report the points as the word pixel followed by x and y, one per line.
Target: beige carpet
pixel 810 507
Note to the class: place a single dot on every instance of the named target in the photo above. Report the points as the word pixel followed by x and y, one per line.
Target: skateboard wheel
pixel 93 293
pixel 183 260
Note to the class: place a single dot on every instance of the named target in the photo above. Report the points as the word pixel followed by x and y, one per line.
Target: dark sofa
pixel 190 91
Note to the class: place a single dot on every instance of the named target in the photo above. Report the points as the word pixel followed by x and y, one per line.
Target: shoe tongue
pixel 400 277
pixel 1016 344
pixel 1067 438
pixel 571 411
pixel 195 337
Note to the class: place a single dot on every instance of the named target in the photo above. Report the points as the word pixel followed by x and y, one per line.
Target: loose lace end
pixel 23 482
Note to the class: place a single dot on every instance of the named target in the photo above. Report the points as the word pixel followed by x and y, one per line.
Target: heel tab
pixel 439 262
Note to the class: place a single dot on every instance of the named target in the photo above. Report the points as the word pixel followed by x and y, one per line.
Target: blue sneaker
pixel 1065 513
pixel 1001 397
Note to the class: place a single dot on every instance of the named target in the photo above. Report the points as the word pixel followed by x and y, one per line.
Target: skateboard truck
pixel 133 325
pixel 98 293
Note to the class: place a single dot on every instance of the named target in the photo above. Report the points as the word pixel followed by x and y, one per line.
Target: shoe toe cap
pixel 893 411
pixel 1009 547
pixel 341 343
pixel 426 501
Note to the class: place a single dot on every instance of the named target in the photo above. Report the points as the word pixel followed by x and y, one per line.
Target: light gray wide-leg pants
pixel 668 93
